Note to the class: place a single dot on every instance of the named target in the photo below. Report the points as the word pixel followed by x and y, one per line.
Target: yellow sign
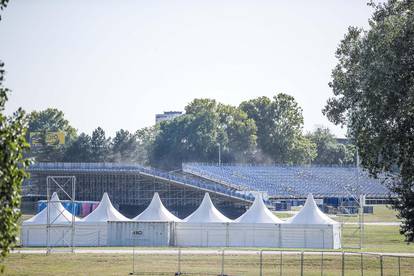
pixel 49 138
pixel 35 138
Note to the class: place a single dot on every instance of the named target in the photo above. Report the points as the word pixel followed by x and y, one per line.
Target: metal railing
pixel 264 262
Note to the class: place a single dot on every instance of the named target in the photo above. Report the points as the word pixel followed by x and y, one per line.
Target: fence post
pixel 301 263
pixel 179 262
pixel 222 262
pixel 322 263
pixel 381 265
pixel 261 262
pixel 399 266
pixel 343 263
pixel 281 263
pixel 362 264
pixel 133 259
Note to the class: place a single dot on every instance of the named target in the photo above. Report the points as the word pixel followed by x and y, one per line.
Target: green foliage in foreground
pixel 13 146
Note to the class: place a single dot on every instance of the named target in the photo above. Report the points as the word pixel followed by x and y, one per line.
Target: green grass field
pixel 122 264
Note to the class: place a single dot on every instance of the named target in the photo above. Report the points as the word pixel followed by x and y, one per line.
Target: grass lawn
pixel 378 239
pixel 381 213
pixel 122 264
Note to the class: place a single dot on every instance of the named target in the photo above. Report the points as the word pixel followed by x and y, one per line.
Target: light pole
pixel 219 154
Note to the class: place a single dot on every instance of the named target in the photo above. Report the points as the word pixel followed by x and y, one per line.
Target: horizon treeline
pixel 261 130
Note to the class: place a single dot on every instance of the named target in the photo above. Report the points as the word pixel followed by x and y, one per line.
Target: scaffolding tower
pixel 57 233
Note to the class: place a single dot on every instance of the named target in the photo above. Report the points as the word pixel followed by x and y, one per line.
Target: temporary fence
pixel 248 262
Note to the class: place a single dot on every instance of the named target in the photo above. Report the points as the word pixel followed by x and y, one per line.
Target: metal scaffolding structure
pixel 65 186
pixel 131 191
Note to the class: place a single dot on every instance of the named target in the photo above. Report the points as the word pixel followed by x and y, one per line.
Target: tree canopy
pixel 48 121
pixel 206 128
pixel 329 150
pixel 373 86
pixel 279 124
pixel 261 130
pixel 80 150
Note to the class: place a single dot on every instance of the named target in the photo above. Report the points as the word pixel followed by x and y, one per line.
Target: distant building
pixel 168 115
pixel 344 141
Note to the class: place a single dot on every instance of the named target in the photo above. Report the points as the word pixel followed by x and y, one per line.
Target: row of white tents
pixel 206 226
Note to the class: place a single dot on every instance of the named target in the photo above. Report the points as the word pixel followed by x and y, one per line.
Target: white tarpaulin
pixel 34 231
pixel 156 211
pixel 93 229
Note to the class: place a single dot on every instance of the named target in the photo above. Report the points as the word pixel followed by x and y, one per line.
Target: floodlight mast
pixel 219 154
pixel 361 203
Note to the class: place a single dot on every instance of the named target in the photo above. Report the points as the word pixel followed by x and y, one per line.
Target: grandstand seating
pixel 293 181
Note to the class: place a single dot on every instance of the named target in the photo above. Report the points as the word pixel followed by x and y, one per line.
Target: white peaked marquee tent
pixel 311 228
pixel 152 227
pixel 311 214
pixel 206 226
pixel 206 213
pixel 258 226
pixel 156 211
pixel 93 229
pixel 34 231
pixel 258 213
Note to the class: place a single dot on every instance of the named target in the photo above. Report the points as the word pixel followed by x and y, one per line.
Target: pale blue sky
pixel 116 63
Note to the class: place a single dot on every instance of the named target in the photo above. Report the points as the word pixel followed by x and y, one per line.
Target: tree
pixel 197 135
pixel 373 86
pixel 279 124
pixel 329 151
pixel 44 122
pixel 145 138
pixel 13 146
pixel 100 146
pixel 186 138
pixel 80 150
pixel 3 5
pixel 13 164
pixel 240 134
pixel 51 119
pixel 124 147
